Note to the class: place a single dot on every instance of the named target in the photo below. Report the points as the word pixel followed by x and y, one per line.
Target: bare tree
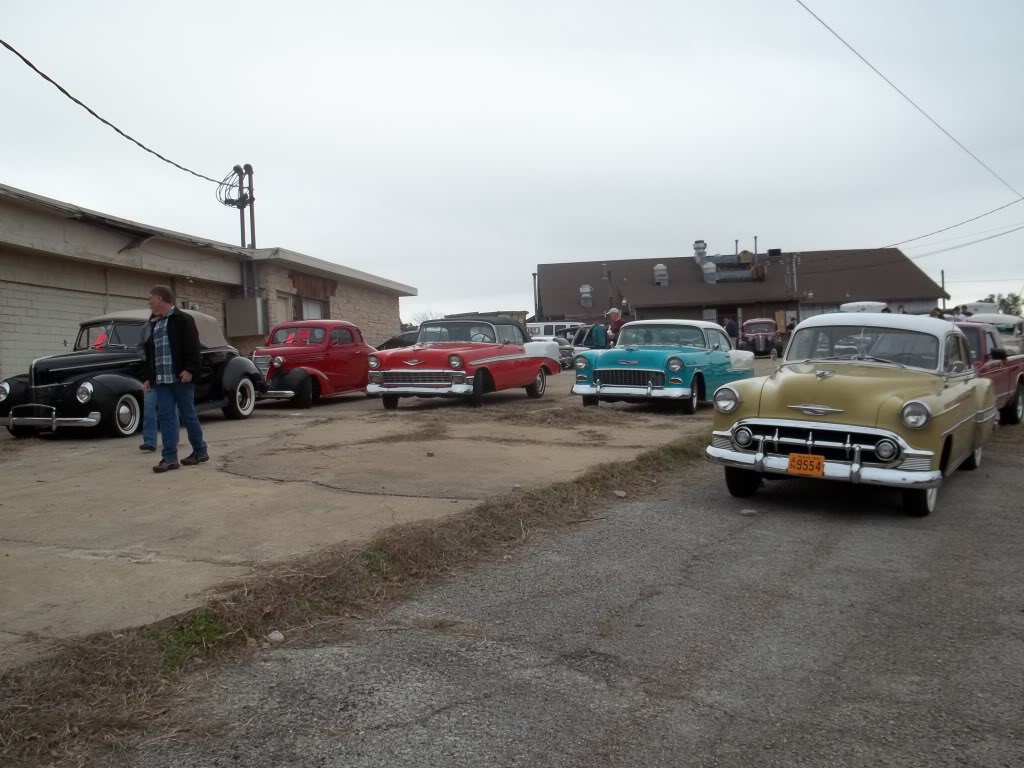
pixel 418 318
pixel 1010 304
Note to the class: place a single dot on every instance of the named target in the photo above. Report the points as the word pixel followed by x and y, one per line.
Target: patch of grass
pixel 101 690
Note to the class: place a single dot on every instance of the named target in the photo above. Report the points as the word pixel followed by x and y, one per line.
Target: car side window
pixel 722 340
pixel 991 342
pixel 341 336
pixel 505 335
pixel 517 336
pixel 957 357
pixel 965 352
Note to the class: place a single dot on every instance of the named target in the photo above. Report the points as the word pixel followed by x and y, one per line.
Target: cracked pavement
pixel 826 630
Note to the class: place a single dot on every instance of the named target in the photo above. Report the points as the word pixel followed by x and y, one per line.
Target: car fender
pixel 293 378
pixel 110 387
pixel 18 395
pixel 235 369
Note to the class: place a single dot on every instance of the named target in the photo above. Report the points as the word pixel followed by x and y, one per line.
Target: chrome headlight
pixel 675 364
pixel 454 361
pixel 84 393
pixel 5 390
pixel 373 362
pixel 581 363
pixel 726 400
pixel 277 362
pixel 915 415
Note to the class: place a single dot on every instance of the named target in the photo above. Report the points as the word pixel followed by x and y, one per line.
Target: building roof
pixel 835 277
pixel 296 260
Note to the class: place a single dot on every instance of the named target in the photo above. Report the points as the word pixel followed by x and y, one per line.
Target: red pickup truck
pixel 313 359
pixel 1006 372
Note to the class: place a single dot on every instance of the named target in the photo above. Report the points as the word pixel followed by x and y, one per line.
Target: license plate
pixel 806 464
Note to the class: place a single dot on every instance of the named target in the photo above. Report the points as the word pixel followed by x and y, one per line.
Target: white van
pixel 561 328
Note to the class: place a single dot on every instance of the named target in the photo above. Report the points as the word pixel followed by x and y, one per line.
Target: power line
pixel 993 280
pixel 954 226
pixel 966 234
pixel 964 245
pixel 63 90
pixel 912 103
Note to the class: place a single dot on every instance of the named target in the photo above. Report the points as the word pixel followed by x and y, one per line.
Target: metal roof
pixel 930 325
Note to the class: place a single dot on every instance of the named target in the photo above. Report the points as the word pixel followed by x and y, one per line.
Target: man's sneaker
pixel 193 460
pixel 166 466
pixel 145 447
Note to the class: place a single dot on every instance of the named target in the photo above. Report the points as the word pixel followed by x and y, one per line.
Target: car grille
pixel 417 377
pixel 832 442
pixel 628 377
pixel 263 363
pixel 51 394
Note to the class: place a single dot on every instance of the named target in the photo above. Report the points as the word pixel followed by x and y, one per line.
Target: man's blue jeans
pixel 178 397
pixel 149 419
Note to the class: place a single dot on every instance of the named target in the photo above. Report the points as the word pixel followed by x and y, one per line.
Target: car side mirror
pixel 998 354
pixel 716 346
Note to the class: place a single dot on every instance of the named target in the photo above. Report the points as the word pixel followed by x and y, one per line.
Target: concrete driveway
pixel 93 540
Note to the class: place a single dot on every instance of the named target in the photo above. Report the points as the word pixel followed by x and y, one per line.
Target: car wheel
pixel 124 418
pixel 390 401
pixel 973 461
pixel 540 384
pixel 920 502
pixel 590 400
pixel 22 433
pixel 690 403
pixel 479 386
pixel 243 400
pixel 304 395
pixel 742 483
pixel 1013 412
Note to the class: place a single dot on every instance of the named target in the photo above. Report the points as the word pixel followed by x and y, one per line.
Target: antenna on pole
pixel 236 180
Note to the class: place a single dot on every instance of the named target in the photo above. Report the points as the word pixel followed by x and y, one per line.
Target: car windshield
pixel 973 341
pixel 457 331
pixel 297 335
pixel 661 336
pixel 853 342
pixel 759 328
pixel 108 334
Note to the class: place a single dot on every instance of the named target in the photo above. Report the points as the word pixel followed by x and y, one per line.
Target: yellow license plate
pixel 806 464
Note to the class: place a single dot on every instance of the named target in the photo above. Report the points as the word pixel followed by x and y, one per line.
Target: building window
pixel 313 310
pixel 285 308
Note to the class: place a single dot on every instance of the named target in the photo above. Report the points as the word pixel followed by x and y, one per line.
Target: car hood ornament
pixel 629 362
pixel 411 362
pixel 822 375
pixel 809 409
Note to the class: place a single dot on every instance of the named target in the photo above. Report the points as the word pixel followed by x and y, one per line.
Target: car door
pixel 346 360
pixel 716 373
pixel 995 370
pixel 959 396
pixel 514 369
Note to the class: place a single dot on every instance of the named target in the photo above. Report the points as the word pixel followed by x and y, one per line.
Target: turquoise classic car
pixel 680 360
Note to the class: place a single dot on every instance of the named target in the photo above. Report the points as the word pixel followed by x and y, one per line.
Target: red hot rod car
pixel 464 358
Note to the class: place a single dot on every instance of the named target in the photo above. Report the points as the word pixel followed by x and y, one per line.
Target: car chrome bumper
pixel 51 420
pixel 834 470
pixel 277 394
pixel 425 390
pixel 638 393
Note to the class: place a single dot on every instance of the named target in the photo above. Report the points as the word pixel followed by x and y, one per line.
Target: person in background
pixel 149 417
pixel 900 310
pixel 958 315
pixel 615 322
pixel 172 359
pixel 732 329
pixel 886 310
pixel 937 313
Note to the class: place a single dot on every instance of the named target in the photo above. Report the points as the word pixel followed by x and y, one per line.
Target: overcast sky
pixel 453 146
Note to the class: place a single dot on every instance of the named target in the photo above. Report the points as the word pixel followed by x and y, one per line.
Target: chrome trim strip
pixel 810 409
pixel 108 363
pixel 957 426
pixel 455 390
pixel 605 390
pixel 283 394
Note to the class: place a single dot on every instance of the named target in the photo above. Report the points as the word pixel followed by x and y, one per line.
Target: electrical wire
pixel 63 90
pixel 912 103
pixel 966 234
pixel 964 245
pixel 954 226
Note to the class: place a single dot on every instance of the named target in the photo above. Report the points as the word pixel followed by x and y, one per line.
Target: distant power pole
pixel 240 179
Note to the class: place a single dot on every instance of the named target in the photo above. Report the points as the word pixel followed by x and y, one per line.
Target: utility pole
pixel 943 289
pixel 252 207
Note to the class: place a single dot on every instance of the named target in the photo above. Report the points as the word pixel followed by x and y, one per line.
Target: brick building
pixel 61 264
pixel 742 286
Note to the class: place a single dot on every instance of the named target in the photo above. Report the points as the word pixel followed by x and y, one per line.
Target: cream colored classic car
pixel 879 399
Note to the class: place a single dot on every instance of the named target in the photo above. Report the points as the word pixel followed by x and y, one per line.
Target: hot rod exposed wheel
pixel 22 433
pixel 242 401
pixel 390 401
pixel 742 483
pixel 590 400
pixel 920 502
pixel 304 394
pixel 124 418
pixel 1013 411
pixel 974 460
pixel 540 384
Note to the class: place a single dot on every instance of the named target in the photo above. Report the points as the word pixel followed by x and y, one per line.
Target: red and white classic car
pixel 464 358
pixel 312 359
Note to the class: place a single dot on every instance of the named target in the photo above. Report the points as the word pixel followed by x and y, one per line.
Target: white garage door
pixel 36 321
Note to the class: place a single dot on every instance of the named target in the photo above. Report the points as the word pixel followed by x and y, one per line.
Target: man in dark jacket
pixel 172 361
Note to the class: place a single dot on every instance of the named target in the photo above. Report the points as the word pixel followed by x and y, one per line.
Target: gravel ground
pixel 826 630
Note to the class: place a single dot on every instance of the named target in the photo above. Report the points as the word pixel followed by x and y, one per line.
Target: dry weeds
pixel 104 691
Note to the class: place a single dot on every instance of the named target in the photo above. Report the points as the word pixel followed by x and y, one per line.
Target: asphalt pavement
pixel 825 630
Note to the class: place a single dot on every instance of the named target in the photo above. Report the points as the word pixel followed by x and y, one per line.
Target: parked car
pixel 404 339
pixel 1009 327
pixel 760 336
pixel 589 337
pixel 681 360
pixel 306 360
pixel 904 409
pixel 565 350
pixel 552 327
pixel 1005 371
pixel 99 383
pixel 464 358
